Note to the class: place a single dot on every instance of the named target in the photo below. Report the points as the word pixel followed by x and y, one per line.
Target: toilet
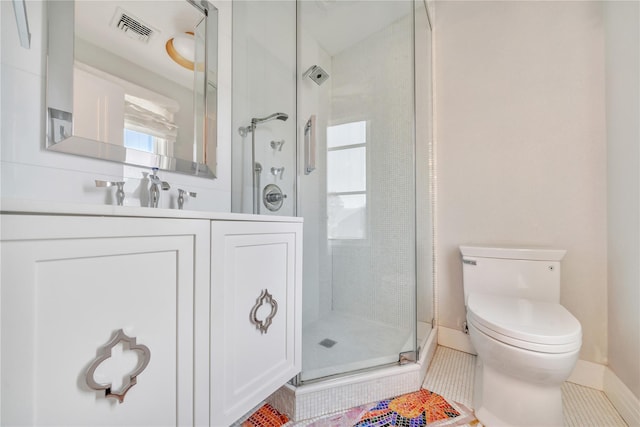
pixel 527 343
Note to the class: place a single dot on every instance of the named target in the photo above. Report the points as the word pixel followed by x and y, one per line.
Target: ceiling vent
pixel 132 26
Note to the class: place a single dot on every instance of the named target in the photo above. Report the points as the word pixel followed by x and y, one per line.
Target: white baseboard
pixel 588 374
pixel 455 339
pixel 625 402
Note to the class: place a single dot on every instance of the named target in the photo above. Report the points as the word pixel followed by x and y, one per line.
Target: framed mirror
pixel 134 82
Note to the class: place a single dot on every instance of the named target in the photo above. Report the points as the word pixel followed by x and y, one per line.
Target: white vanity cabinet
pixel 256 319
pixel 85 299
pixel 68 284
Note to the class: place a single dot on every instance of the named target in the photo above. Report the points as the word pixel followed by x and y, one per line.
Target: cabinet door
pixel 68 284
pixel 255 277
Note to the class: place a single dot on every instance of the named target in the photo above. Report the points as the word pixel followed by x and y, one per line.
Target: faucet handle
pixel 277 171
pixel 182 195
pixel 277 144
pixel 119 191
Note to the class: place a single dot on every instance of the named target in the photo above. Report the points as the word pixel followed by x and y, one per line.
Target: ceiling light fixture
pixel 181 48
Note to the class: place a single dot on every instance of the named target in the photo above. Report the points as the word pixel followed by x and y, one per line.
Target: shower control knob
pixel 273 197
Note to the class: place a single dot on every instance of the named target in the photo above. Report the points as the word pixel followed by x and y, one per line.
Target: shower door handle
pixel 310 145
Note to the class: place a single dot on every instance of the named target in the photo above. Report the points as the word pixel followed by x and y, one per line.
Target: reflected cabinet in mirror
pixel 134 82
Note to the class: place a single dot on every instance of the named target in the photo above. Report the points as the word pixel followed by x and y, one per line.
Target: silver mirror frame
pixel 59 99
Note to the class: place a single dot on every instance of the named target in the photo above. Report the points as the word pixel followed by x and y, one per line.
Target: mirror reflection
pixel 134 82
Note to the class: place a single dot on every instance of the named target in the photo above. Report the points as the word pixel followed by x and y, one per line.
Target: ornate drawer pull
pixel 104 353
pixel 264 298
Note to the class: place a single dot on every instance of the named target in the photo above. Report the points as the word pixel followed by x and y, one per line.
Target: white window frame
pixel 364 238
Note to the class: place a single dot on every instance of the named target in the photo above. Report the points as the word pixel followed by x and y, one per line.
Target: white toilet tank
pixel 525 272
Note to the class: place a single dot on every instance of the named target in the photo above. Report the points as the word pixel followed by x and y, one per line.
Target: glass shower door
pixel 264 107
pixel 356 87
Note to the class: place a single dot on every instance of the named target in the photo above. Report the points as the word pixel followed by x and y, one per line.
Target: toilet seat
pixel 528 324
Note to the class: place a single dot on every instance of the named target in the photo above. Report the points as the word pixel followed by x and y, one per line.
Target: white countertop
pixel 19 206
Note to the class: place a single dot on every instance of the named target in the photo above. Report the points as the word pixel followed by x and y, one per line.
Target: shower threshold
pixel 340 343
pixel 340 392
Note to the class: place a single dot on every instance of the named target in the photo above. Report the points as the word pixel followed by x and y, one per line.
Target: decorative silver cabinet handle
pixel 264 298
pixel 104 353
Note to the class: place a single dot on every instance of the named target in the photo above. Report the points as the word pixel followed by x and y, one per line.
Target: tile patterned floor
pixel 451 375
pixel 585 406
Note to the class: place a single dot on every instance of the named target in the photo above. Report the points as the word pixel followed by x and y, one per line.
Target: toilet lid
pixel 529 324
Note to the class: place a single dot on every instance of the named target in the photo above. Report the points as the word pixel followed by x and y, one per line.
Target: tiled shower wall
pixel 372 278
pixel 375 278
pixel 312 205
pixel 264 51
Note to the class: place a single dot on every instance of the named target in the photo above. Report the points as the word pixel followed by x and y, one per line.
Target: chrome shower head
pixel 244 130
pixel 317 74
pixel 279 116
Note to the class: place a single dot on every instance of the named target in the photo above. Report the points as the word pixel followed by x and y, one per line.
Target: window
pixel 149 125
pixel 138 140
pixel 347 180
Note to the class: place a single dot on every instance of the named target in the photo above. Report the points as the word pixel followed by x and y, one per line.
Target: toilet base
pixel 502 400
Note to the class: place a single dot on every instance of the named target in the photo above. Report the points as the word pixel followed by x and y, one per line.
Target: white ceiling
pixel 94 23
pixel 336 24
pixel 339 24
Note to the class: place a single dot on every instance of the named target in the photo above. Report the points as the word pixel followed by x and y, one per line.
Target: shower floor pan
pixel 339 343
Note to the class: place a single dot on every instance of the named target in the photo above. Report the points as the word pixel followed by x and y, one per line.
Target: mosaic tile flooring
pixel 418 409
pixel 451 375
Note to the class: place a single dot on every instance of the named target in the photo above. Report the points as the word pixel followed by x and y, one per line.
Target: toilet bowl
pixel 521 366
pixel 527 343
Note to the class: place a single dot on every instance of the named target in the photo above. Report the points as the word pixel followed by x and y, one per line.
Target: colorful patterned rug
pixel 422 408
pixel 419 409
pixel 266 416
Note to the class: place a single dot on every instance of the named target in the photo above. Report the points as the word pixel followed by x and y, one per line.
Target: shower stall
pixel 350 82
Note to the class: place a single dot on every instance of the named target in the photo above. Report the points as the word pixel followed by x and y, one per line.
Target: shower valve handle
pixel 275 197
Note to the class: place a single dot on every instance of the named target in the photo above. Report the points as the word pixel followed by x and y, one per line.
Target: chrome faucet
pixel 154 190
